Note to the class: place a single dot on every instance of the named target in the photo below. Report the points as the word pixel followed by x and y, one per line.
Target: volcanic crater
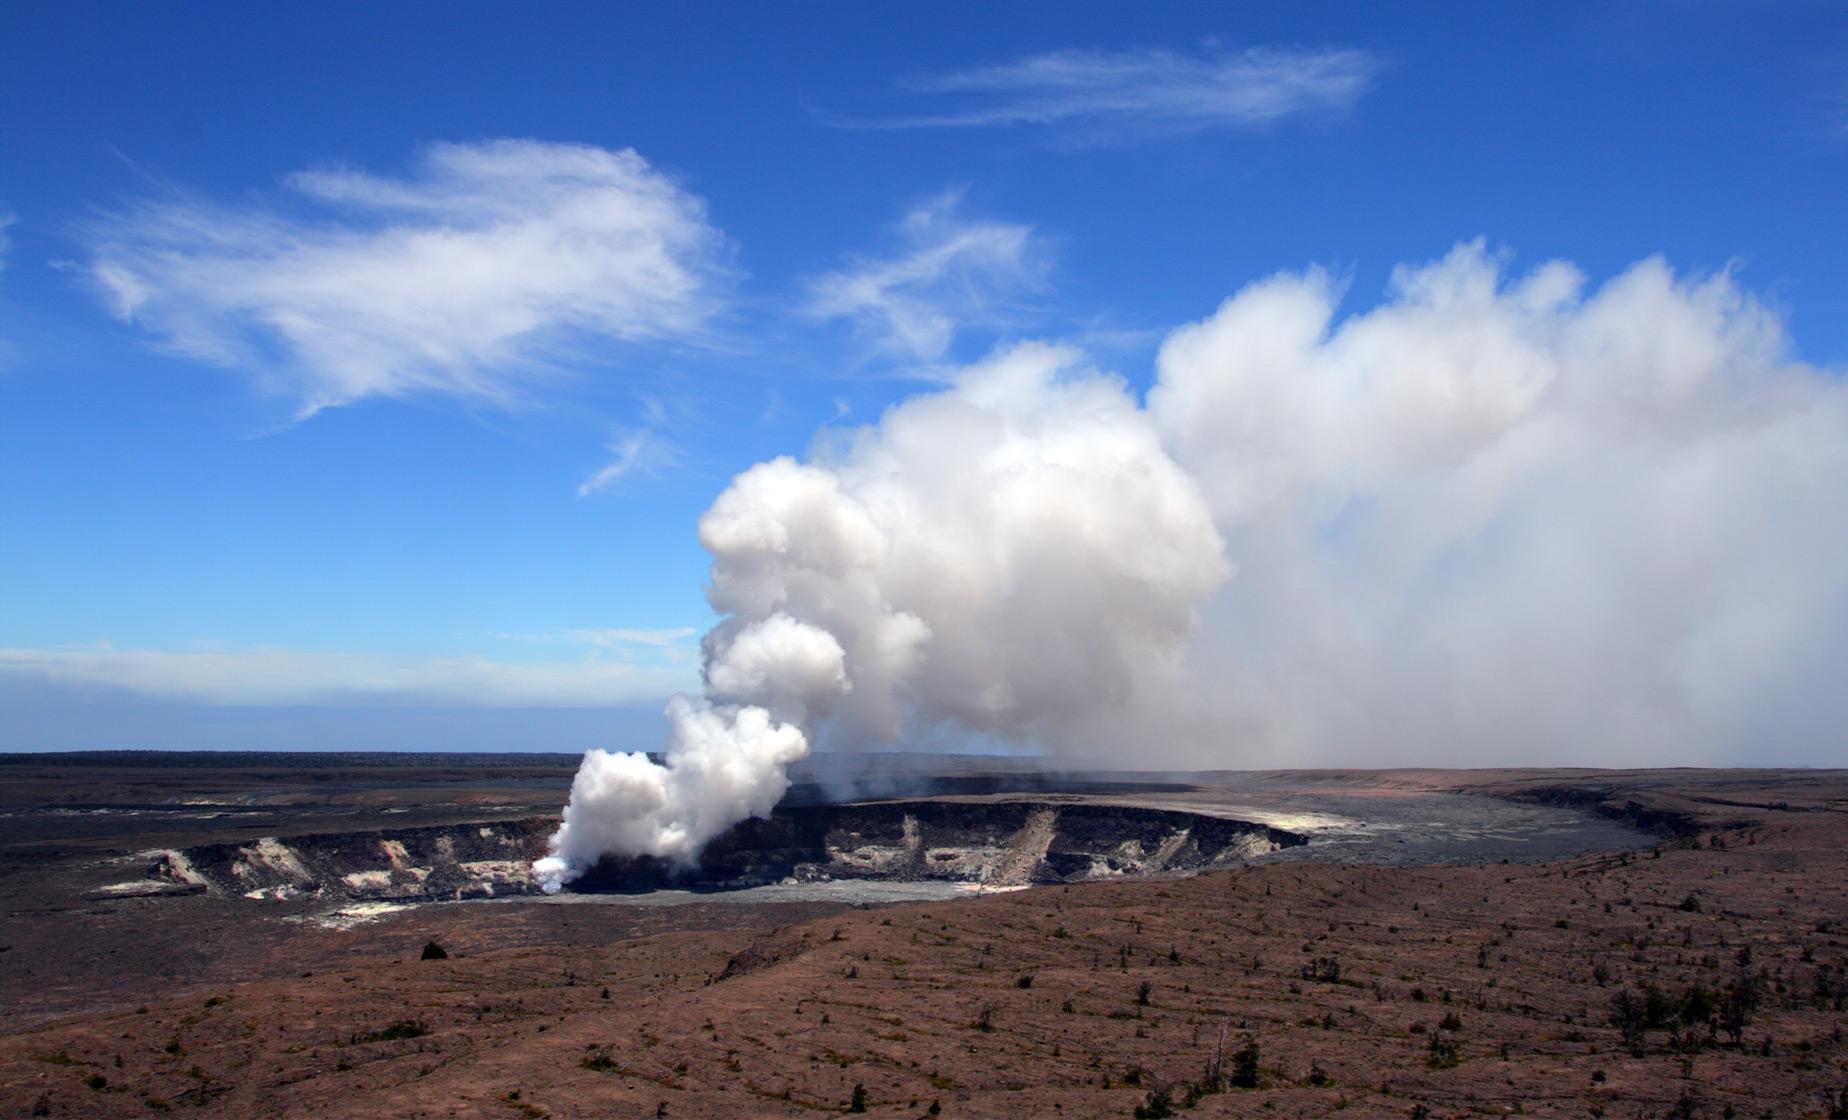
pixel 997 843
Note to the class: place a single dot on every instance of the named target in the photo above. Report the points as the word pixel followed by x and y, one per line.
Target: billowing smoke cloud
pixel 1010 556
pixel 1487 521
pixel 1510 522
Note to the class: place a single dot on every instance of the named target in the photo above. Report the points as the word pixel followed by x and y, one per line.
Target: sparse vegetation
pixel 1443 1052
pixel 1564 1010
pixel 1324 969
pixel 1245 1071
pixel 1158 1104
pixel 526 1110
pixel 402 1028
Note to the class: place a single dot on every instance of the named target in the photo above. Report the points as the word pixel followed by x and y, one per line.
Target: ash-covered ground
pixel 977 935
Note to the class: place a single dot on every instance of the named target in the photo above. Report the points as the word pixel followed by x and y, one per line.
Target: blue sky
pixel 357 389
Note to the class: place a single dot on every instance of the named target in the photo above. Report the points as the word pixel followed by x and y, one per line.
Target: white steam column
pixel 1011 555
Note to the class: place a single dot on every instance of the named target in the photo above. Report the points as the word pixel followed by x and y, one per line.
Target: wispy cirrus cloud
pixel 949 272
pixel 1129 93
pixel 642 452
pixel 672 637
pixel 463 279
pixel 621 636
pixel 277 677
pixel 1833 113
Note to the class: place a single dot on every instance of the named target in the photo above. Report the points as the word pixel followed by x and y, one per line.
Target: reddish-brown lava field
pixel 1433 991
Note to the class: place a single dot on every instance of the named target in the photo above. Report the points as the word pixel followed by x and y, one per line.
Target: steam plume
pixel 1007 555
pixel 1485 521
pixel 1512 522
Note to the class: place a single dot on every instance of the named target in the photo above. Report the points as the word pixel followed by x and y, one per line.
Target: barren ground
pixel 1373 990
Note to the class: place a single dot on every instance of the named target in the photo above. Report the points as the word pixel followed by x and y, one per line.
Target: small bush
pixel 434 952
pixel 1160 1104
pixel 1443 1053
pixel 1327 969
pixel 403 1028
pixel 1245 1073
pixel 96 1081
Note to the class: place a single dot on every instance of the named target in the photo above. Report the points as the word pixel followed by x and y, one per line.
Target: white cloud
pixel 951 272
pixel 1129 93
pixel 293 677
pixel 1515 521
pixel 671 636
pixel 1011 554
pixel 1482 523
pixel 641 452
pixel 463 279
pixel 612 637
